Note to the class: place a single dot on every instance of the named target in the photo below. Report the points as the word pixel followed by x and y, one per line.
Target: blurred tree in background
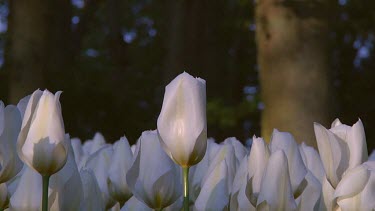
pixel 295 74
pixel 113 59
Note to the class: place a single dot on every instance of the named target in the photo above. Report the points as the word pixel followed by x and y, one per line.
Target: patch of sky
pixel 344 16
pixel 78 3
pixel 252 27
pixel 343 2
pixel 129 35
pixel 4 11
pixel 152 32
pixel 1 57
pixel 364 48
pixel 136 8
pixel 75 20
pixel 92 53
pixel 144 21
pixel 260 106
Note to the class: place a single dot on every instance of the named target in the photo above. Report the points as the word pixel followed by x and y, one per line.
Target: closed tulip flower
pixel 153 177
pixel 247 182
pixel 41 140
pixel 276 188
pixel 341 148
pixel 121 162
pixel 182 124
pixel 356 190
pixel 100 162
pixel 10 124
pixel 297 169
pixel 28 194
pixel 92 196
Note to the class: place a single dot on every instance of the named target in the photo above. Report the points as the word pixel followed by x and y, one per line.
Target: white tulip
pixel 121 162
pixel 153 177
pixel 356 190
pixel 372 155
pixel 133 204
pixel 28 194
pixel 65 188
pixel 182 123
pixel 341 148
pixel 297 169
pixel 93 145
pixel 239 149
pixel 78 150
pixel 276 189
pixel 41 141
pixel 248 179
pixel 198 171
pixel 99 163
pixel 10 123
pixel 92 196
pixel 225 152
pixel 312 161
pixel 215 191
pixel 311 195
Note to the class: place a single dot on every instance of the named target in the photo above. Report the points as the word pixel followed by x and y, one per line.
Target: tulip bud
pixel 356 190
pixel 10 162
pixel 41 140
pixel 121 162
pixel 153 177
pixel 182 124
pixel 276 189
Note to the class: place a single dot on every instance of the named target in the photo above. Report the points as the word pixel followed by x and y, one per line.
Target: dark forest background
pixel 113 58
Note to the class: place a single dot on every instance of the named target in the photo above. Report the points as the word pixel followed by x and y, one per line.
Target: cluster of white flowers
pixel 95 175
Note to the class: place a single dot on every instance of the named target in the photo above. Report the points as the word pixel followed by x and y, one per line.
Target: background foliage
pixel 119 55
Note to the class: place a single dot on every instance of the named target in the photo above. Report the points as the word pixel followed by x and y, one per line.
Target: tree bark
pixel 293 59
pixel 37 49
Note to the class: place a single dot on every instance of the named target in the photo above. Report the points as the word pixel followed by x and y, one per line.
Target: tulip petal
pixel 22 200
pixel 357 145
pixel 121 162
pixel 352 182
pixel 297 169
pixel 312 161
pixel 133 204
pixel 10 162
pixel 214 194
pixel 276 191
pixel 333 152
pixel 92 196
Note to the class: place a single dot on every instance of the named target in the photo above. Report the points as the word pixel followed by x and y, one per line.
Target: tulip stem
pixel 185 172
pixel 45 192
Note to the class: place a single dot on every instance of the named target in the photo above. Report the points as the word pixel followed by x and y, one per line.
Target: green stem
pixel 45 193
pixel 185 172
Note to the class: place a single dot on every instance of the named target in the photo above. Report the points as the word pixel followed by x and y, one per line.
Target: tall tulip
pixel 41 142
pixel 182 124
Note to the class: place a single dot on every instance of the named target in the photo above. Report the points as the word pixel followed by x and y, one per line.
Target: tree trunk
pixel 37 46
pixel 294 67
